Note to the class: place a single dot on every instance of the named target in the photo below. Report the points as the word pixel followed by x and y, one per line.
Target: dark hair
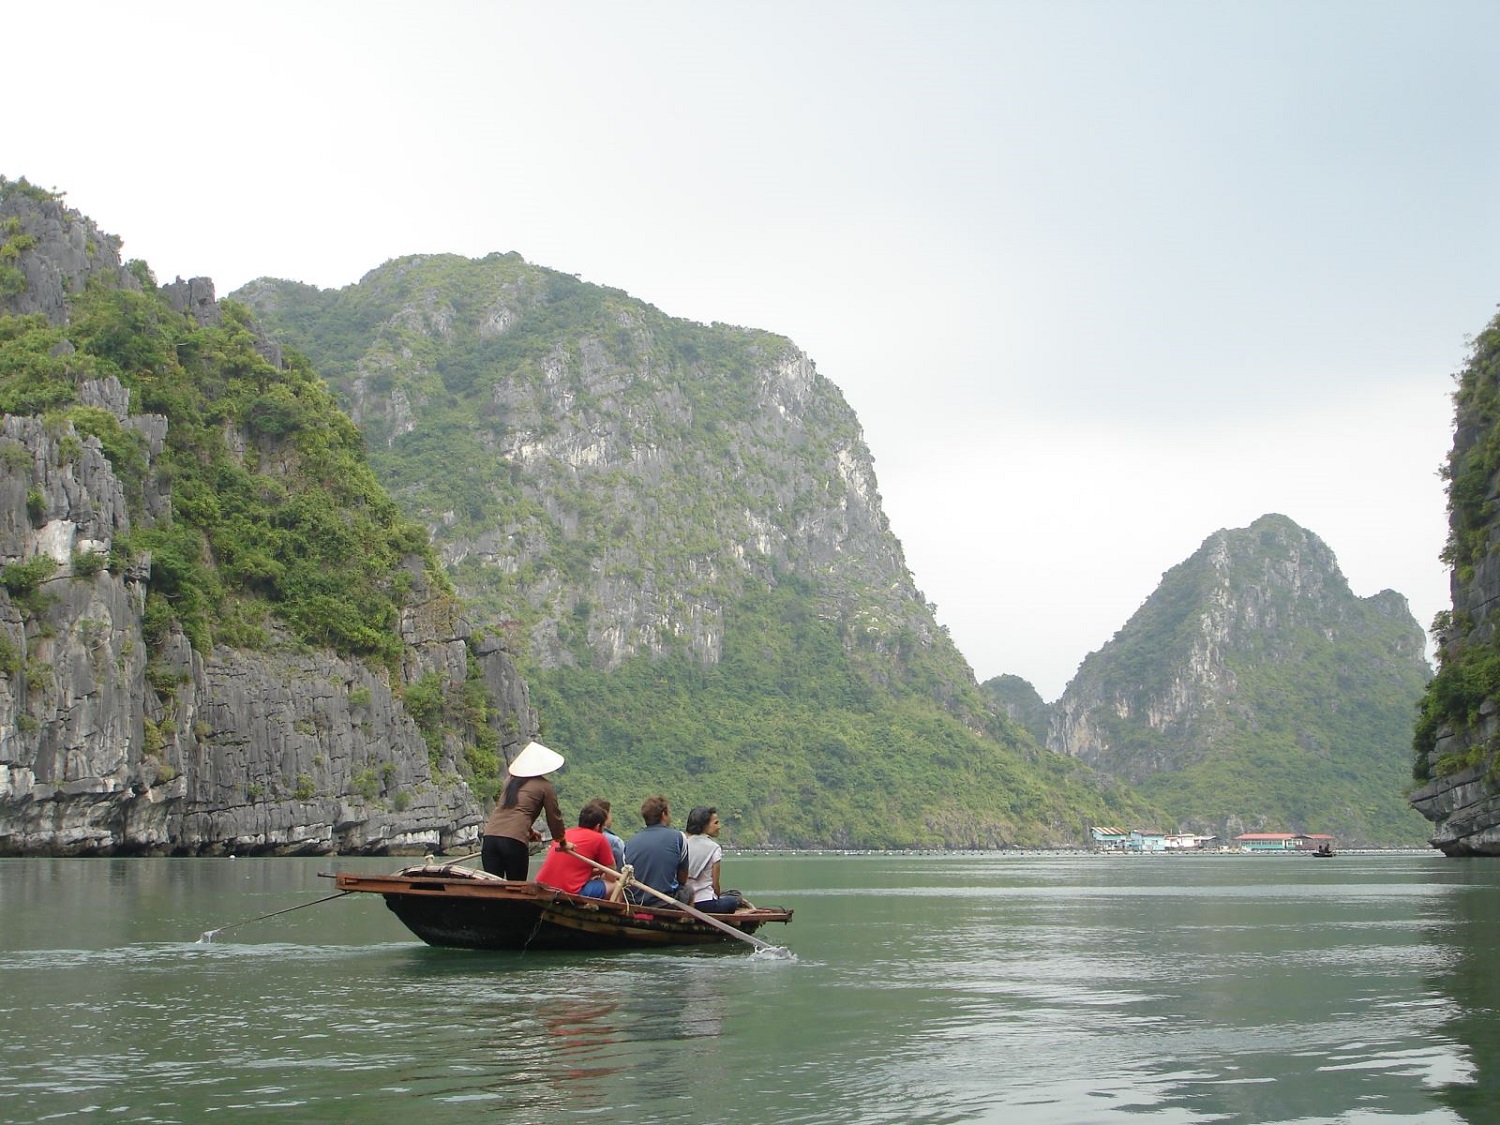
pixel 653 809
pixel 591 815
pixel 512 791
pixel 698 820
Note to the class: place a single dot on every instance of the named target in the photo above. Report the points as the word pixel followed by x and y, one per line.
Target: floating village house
pixel 1146 840
pixel 1283 841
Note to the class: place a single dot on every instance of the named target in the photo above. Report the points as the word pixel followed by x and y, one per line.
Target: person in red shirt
pixel 565 871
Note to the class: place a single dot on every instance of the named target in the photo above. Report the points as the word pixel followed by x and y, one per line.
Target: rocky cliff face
pixel 679 525
pixel 1459 730
pixel 648 468
pixel 1253 691
pixel 110 743
pixel 48 251
pixel 229 751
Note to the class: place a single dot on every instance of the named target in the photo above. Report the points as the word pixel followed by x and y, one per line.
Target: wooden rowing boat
pixel 459 907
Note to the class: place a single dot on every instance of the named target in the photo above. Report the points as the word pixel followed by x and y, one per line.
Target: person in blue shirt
pixel 616 844
pixel 658 854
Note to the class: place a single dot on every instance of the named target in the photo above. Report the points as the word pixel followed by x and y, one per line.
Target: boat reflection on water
pixel 582 1037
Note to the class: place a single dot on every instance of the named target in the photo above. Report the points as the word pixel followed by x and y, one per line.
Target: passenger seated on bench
pixel 658 854
pixel 704 856
pixel 616 844
pixel 566 871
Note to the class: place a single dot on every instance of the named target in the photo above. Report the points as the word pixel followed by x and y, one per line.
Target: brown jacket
pixel 535 796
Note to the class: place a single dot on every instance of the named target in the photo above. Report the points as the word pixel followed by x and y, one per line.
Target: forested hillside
pixel 1021 701
pixel 679 525
pixel 1252 691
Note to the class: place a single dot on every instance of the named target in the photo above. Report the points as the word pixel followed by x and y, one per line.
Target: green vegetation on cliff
pixel 274 509
pixel 1468 655
pixel 797 749
pixel 1253 691
pixel 676 527
pixel 1312 744
pixel 1021 701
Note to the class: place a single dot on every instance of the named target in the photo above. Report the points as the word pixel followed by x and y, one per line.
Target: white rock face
pixel 283 751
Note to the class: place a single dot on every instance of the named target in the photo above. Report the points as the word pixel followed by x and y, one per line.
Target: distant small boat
pixel 458 907
pixel 1323 851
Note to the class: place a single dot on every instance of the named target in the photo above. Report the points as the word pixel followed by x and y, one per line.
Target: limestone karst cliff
pixel 606 476
pixel 1253 691
pixel 232 639
pixel 218 633
pixel 1457 744
pixel 680 525
pixel 160 691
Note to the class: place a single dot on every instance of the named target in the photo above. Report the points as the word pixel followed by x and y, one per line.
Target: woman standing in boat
pixel 528 793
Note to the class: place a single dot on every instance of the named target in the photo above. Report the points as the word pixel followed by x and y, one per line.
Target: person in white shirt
pixel 704 856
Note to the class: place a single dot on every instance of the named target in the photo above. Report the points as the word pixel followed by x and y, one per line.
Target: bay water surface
pixel 1013 988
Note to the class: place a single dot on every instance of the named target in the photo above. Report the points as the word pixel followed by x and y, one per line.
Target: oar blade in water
pixel 772 953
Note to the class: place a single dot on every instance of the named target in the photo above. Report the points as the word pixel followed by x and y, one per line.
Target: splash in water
pixel 772 953
pixel 207 937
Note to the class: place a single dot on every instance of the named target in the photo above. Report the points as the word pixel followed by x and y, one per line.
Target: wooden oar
pixel 209 935
pixel 694 911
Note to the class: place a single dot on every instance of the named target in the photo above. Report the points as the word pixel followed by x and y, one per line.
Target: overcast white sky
pixel 1098 278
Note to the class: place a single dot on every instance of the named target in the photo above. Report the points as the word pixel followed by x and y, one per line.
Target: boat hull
pixel 457 908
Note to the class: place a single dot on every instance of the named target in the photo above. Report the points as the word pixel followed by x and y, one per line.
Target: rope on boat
pixel 208 936
pixel 541 919
pixel 431 860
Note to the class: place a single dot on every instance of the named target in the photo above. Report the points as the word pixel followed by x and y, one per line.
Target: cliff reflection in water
pixel 1472 919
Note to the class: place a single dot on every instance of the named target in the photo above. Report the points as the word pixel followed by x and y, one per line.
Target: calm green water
pixel 985 988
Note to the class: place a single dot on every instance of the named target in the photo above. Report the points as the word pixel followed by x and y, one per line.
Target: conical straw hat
pixel 535 760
